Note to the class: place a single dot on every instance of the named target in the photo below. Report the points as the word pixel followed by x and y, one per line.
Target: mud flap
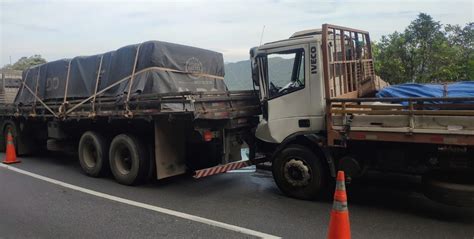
pixel 169 149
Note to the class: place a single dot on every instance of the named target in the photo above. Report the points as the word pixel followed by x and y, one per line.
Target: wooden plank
pixel 353 94
pixel 415 106
pixel 324 43
pixel 414 99
pixel 350 106
pixel 439 139
pixel 407 112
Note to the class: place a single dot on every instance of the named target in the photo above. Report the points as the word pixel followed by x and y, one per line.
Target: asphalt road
pixel 380 207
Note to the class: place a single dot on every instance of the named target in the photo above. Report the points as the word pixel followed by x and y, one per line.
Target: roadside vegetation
pixel 24 62
pixel 426 51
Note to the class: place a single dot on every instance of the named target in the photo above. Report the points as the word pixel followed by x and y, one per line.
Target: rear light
pixel 207 135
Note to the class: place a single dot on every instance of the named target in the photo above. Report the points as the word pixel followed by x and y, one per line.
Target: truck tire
pixel 129 159
pixel 452 188
pixel 93 154
pixel 299 173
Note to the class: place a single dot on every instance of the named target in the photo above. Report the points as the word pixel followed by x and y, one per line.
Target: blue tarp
pixel 411 90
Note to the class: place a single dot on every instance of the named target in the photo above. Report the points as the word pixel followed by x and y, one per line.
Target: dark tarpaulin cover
pixel 162 67
pixel 462 89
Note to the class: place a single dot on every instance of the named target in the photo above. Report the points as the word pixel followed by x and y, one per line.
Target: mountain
pixel 238 75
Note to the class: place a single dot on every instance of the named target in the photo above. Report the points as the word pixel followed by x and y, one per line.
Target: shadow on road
pixel 396 193
pixel 403 194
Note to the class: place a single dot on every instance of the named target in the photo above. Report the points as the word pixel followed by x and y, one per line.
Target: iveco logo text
pixel 314 61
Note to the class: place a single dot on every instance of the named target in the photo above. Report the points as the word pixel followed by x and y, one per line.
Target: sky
pixel 64 29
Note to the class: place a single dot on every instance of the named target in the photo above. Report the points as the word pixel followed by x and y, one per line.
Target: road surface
pixel 49 197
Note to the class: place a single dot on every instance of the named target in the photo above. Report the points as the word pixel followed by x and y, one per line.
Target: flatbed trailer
pixel 164 121
pixel 134 132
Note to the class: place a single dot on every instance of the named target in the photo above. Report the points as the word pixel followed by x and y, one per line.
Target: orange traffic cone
pixel 339 227
pixel 10 154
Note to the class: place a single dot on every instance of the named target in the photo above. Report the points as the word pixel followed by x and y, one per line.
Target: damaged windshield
pixel 285 72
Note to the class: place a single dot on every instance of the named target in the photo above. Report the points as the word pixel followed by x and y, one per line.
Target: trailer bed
pixel 349 74
pixel 232 105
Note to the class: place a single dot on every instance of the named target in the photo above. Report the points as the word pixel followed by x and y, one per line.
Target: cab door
pixel 285 92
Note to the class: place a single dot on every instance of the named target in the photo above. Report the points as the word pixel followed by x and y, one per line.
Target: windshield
pixel 285 72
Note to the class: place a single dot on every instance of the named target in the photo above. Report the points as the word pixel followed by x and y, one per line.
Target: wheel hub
pixel 297 173
pixel 124 160
pixel 90 155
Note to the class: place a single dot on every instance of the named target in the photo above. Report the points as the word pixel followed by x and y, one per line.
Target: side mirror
pixel 254 67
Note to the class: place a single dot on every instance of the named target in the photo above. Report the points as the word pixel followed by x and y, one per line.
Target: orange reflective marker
pixel 10 152
pixel 339 227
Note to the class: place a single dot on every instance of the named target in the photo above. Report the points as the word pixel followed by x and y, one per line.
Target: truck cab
pixel 288 75
pixel 295 79
pixel 296 76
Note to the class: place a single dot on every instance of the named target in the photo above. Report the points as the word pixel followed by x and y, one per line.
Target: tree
pixel 425 52
pixel 25 62
pixel 424 39
pixel 462 39
pixel 391 58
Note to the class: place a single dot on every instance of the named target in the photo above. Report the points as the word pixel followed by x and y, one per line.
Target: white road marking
pixel 249 169
pixel 144 205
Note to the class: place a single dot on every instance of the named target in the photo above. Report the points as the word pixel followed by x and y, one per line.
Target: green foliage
pixel 392 57
pixel 26 62
pixel 462 39
pixel 425 52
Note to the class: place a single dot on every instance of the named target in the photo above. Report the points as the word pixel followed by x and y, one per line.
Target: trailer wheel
pixel 299 173
pixel 129 159
pixel 93 154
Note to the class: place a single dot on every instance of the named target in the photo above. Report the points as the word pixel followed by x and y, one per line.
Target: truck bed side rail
pixel 347 61
pixel 444 121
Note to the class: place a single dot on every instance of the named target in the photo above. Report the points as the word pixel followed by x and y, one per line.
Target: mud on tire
pixel 299 173
pixel 93 153
pixel 129 159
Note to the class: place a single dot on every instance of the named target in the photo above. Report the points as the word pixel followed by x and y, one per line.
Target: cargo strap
pixel 128 112
pixel 154 68
pixel 33 109
pixel 92 114
pixel 39 99
pixel 183 72
pixel 63 106
pixel 22 89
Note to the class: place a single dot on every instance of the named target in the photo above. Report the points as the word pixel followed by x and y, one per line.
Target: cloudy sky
pixel 64 29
